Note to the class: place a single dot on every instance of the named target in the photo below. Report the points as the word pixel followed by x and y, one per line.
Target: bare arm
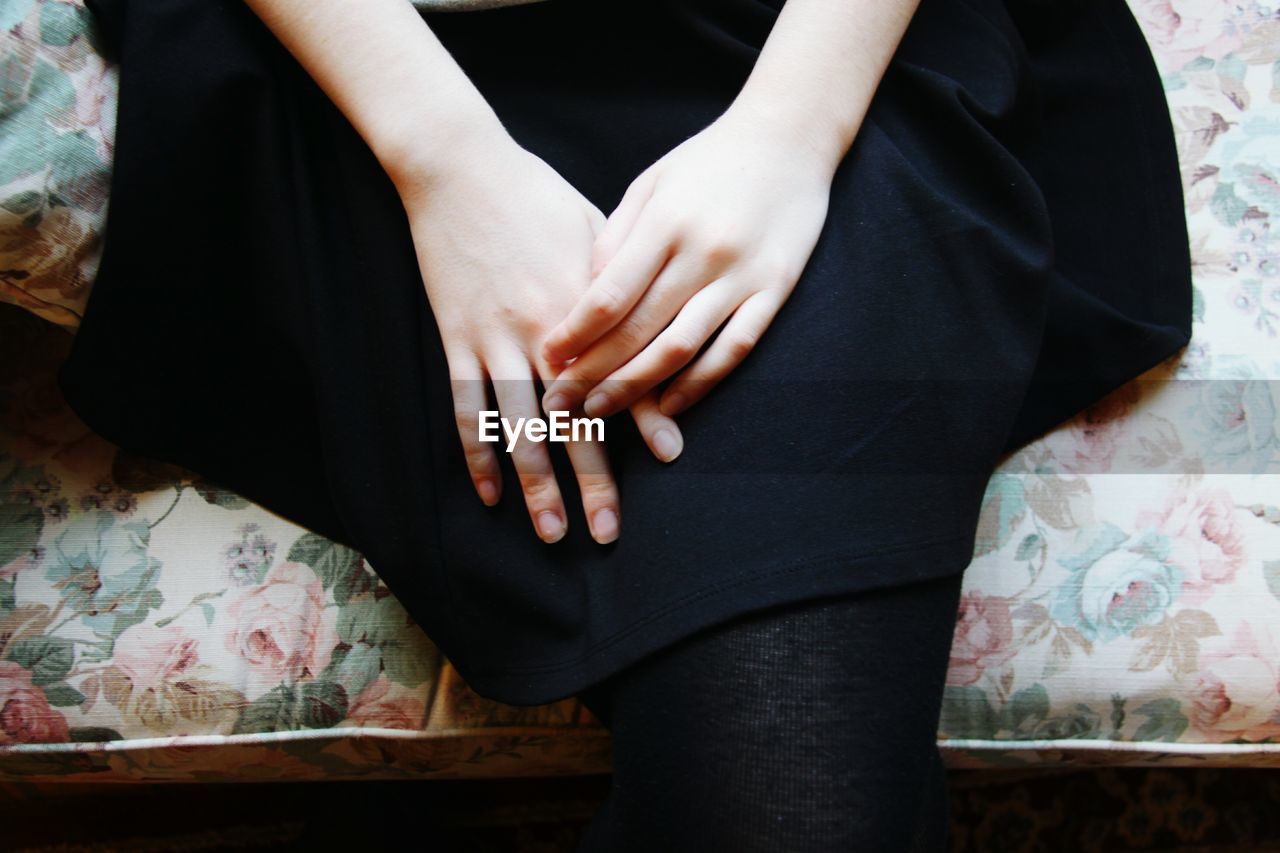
pixel 820 67
pixel 503 241
pixel 391 77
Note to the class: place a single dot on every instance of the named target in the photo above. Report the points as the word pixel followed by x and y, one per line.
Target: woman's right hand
pixel 503 241
pixel 504 246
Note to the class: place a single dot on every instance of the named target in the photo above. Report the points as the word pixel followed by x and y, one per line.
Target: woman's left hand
pixel 720 228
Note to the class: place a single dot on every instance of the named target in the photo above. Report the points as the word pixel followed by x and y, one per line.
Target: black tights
pixel 808 727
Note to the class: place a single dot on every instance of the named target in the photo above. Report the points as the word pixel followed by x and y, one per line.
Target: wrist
pixel 418 152
pixel 801 132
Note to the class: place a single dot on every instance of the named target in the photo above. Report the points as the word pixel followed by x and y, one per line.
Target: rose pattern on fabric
pixel 983 637
pixel 1207 542
pixel 1124 579
pixel 1115 585
pixel 282 628
pixel 1236 689
pixel 25 714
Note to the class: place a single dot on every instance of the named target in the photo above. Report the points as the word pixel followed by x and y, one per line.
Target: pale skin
pixel 529 281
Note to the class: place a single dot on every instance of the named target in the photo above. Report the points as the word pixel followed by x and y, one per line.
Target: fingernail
pixel 557 402
pixel 488 491
pixel 672 404
pixel 596 404
pixel 550 527
pixel 668 444
pixel 606 526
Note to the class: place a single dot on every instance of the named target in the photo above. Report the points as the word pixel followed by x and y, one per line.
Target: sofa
pixel 1122 606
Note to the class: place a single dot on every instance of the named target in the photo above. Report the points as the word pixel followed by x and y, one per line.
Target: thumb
pixel 618 225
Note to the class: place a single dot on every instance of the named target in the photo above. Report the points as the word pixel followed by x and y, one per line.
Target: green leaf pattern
pixel 1124 585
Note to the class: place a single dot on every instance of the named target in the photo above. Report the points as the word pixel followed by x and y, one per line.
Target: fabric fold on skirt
pixel 1005 244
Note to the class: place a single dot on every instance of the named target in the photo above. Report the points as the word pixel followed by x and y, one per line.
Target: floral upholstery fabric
pixel 1124 601
pixel 154 626
pixel 1123 605
pixel 57 129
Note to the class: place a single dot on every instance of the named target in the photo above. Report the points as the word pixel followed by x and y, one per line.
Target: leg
pixel 804 727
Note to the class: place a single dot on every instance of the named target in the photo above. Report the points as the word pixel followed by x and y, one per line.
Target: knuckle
pixel 510 314
pixel 598 498
pixel 518 321
pixel 739 345
pixel 527 326
pixel 539 490
pixel 630 333
pixel 455 358
pixel 531 461
pixel 776 270
pixel 720 253
pixel 682 347
pixel 607 302
pixel 599 494
pixel 479 458
pixel 464 392
pixel 720 245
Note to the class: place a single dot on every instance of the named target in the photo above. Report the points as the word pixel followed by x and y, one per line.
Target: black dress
pixel 1005 244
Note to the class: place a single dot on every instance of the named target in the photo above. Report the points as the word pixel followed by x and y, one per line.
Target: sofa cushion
pixel 1122 606
pixel 57 126
pixel 155 626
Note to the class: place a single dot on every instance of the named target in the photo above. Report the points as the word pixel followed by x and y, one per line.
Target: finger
pixel 671 350
pixel 612 293
pixel 597 220
pixel 666 297
pixel 469 399
pixel 739 336
pixel 659 431
pixel 517 399
pixel 599 492
pixel 620 222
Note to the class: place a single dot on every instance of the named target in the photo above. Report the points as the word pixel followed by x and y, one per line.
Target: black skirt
pixel 1005 244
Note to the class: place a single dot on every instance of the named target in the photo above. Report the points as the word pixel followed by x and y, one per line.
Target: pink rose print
pixel 152 656
pixel 25 715
pixel 372 708
pixel 1234 692
pixel 1206 542
pixel 983 638
pixel 282 628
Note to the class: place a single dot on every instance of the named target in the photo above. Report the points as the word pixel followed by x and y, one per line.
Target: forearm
pixel 820 67
pixel 390 76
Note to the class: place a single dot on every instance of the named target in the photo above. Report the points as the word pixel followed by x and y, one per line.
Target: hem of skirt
pixel 830 575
